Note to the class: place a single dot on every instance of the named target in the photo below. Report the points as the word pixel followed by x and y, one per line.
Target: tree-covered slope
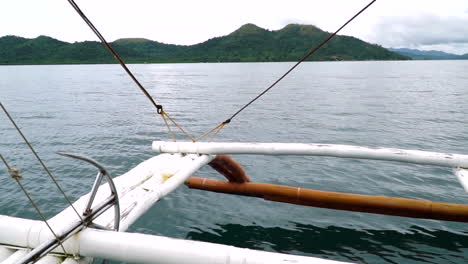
pixel 247 44
pixel 252 43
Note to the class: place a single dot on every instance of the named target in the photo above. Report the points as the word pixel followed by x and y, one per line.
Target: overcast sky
pixel 428 24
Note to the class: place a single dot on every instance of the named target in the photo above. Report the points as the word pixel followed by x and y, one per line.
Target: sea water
pixel 96 110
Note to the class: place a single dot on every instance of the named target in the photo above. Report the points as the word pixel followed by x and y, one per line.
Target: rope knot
pixel 15 173
pixel 159 109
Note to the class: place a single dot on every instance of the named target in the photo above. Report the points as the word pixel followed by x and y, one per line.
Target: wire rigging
pixel 39 160
pixel 15 174
pixel 227 121
pixel 217 128
pixel 299 62
pixel 159 108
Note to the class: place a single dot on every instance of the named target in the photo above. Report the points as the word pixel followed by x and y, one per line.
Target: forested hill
pixel 247 44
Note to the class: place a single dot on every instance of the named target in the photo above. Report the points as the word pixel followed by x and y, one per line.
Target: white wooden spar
pixel 457 161
pixel 330 150
pixel 138 190
pixel 141 248
pixel 144 185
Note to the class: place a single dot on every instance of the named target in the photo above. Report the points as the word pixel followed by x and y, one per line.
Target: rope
pixel 297 64
pixel 219 127
pixel 163 114
pixel 40 160
pixel 14 173
pixel 159 108
pixel 216 133
pixel 179 127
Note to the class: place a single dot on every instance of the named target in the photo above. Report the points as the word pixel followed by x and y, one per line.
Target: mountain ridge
pixel 417 54
pixel 249 43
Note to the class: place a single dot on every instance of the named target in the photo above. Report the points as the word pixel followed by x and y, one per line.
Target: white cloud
pixel 423 31
pixel 388 23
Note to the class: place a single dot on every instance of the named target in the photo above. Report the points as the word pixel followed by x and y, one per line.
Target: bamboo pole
pixel 339 201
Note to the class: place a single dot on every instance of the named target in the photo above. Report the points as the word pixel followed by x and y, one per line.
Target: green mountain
pixel 247 44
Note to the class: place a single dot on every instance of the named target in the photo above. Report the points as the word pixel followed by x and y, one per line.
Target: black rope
pixel 299 62
pixel 111 50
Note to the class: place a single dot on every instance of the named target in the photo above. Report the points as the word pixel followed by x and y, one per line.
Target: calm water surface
pixel 96 110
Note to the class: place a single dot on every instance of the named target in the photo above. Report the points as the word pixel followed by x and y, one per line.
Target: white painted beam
pixel 13 258
pixel 137 189
pixel 5 253
pixel 330 150
pixel 140 248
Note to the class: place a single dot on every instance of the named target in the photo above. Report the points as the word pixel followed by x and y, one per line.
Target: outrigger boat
pixel 94 226
pixel 100 233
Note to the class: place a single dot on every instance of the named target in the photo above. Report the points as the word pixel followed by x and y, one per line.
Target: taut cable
pixel 294 66
pixel 15 174
pixel 40 160
pixel 159 108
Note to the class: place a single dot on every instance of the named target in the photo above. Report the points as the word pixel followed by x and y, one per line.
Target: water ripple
pixel 95 110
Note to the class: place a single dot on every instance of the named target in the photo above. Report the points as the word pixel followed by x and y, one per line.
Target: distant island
pixel 249 43
pixel 416 54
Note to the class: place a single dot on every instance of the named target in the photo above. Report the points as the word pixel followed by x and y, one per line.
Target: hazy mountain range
pixel 429 54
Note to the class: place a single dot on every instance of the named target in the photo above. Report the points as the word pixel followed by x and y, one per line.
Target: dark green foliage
pixel 247 44
pixel 16 50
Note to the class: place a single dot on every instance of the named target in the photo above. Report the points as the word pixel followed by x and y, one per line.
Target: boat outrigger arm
pixel 94 235
pixel 333 200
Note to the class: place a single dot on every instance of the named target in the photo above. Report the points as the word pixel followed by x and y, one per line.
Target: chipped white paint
pixel 331 150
